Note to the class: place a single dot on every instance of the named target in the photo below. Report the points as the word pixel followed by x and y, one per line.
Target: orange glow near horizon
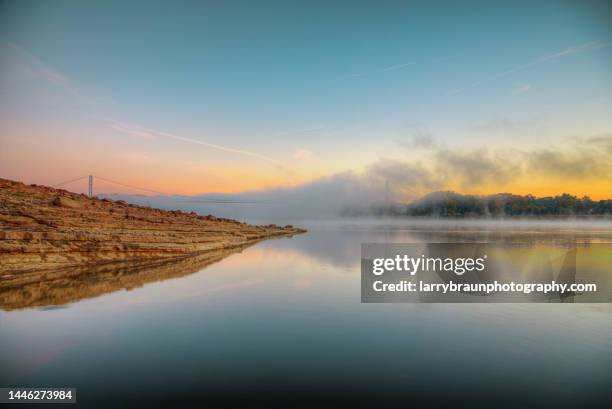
pixel 596 190
pixel 173 168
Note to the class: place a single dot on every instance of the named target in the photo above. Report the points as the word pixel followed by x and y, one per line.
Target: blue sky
pixel 315 87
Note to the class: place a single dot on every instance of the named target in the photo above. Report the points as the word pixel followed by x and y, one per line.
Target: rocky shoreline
pixel 44 229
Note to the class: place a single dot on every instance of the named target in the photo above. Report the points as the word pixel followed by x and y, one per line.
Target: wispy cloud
pixel 221 147
pixel 302 154
pixel 27 63
pixel 419 140
pixel 398 66
pixel 356 75
pixel 494 77
pixel 503 124
pixel 520 90
pixel 593 45
pixel 142 132
pixel 131 129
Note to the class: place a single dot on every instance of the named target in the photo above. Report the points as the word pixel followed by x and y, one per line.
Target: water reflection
pixel 281 325
pixel 328 245
pixel 339 242
pixel 77 283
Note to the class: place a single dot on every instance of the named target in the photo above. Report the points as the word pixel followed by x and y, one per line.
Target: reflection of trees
pixel 72 284
pixel 339 243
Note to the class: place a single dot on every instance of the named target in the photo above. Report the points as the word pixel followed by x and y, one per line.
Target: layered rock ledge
pixel 44 229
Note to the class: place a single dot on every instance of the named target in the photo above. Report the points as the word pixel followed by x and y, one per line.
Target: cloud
pixel 28 63
pixel 420 140
pixel 356 75
pixel 142 132
pixel 220 147
pixel 475 167
pixel 383 181
pixel 593 45
pixel 388 181
pixel 402 180
pixel 520 90
pixel 559 54
pixel 580 158
pixel 440 168
pixel 398 66
pixel 603 142
pixel 508 125
pixel 302 154
pixel 492 78
pixel 24 62
pixel 131 130
pixel 577 164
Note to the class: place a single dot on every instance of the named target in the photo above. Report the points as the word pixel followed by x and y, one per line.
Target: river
pixel 280 323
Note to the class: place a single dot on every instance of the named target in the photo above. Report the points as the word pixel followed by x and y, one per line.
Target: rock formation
pixel 43 229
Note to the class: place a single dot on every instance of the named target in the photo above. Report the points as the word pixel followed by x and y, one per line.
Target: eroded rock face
pixel 66 202
pixel 44 228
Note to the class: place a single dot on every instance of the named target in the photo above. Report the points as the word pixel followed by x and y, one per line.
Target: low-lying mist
pixel 387 184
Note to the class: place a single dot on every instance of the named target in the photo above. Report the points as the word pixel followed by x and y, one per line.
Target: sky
pixel 200 97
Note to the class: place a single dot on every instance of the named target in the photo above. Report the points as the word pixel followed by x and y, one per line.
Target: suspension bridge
pixel 90 191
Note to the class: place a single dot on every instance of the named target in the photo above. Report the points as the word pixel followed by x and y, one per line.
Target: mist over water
pixel 329 205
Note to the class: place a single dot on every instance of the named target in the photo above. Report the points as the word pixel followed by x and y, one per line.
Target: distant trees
pixel 451 204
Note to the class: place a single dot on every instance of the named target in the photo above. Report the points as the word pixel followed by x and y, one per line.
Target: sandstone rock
pixel 77 230
pixel 66 202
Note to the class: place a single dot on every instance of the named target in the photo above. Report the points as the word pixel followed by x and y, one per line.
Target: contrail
pixel 219 147
pixel 496 76
pixel 136 130
pixel 593 45
pixel 398 66
pixel 35 67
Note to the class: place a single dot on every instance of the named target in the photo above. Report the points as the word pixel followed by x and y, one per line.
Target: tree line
pixel 451 204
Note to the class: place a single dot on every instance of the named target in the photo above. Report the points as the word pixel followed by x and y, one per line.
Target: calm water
pixel 281 324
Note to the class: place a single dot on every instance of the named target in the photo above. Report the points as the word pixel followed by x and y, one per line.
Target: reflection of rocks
pixel 43 228
pixel 56 287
